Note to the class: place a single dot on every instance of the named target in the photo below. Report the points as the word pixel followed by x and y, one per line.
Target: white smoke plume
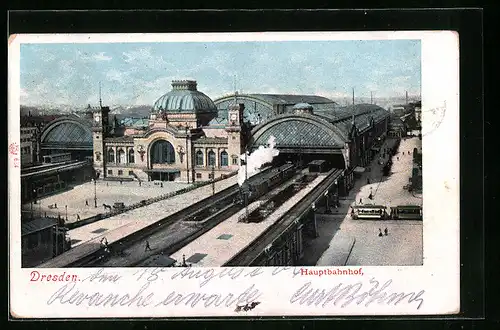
pixel 256 159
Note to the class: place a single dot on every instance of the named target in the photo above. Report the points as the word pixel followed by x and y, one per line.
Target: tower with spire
pixel 100 130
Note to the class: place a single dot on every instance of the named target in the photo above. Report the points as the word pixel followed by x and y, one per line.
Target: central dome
pixel 184 97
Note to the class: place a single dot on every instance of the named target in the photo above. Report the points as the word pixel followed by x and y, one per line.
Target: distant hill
pixel 120 111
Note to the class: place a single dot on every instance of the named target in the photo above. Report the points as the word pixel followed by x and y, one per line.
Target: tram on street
pixel 406 212
pixel 369 212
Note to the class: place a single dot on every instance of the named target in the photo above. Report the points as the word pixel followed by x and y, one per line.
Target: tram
pixel 370 212
pixel 57 158
pixel 406 212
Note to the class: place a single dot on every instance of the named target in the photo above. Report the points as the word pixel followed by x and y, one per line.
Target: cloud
pixel 93 57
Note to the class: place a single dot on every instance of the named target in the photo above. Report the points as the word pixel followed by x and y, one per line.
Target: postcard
pixel 234 174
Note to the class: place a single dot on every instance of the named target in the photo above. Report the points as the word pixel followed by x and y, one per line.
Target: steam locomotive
pixel 257 187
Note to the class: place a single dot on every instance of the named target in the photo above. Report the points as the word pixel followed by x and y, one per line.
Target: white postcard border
pixel 436 284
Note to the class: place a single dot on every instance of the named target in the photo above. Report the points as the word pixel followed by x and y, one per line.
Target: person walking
pixel 86 203
pixel 77 217
pixel 380 233
pixel 148 247
pixel 360 201
pixel 386 232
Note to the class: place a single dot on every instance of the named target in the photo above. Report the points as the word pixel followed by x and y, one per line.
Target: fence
pixel 146 202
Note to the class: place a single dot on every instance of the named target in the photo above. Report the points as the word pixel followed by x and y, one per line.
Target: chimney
pixel 406 97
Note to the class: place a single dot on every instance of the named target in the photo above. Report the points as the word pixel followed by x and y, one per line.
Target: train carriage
pixel 369 212
pixel 57 158
pixel 406 212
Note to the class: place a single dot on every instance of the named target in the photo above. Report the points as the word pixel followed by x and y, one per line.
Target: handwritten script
pixel 159 287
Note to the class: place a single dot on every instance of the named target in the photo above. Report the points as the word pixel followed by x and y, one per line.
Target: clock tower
pixel 100 130
pixel 235 141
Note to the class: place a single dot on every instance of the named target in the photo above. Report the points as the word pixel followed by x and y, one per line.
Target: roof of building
pixel 302 106
pixel 68 130
pixel 135 122
pixel 37 225
pixel 184 97
pixel 220 120
pixel 261 107
pixel 329 128
pixel 291 98
pixel 299 131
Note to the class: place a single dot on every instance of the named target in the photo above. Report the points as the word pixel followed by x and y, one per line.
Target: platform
pixel 122 225
pixel 216 247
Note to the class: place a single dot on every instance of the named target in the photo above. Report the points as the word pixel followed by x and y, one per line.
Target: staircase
pixel 135 176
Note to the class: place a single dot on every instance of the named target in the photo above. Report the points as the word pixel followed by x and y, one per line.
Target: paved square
pixel 80 199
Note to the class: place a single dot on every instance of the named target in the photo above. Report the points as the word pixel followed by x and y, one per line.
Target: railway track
pixel 252 252
pixel 222 201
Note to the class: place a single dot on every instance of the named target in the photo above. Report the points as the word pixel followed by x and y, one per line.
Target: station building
pixel 188 137
pixel 345 137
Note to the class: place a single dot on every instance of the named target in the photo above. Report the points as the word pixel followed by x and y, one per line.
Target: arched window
pixel 162 152
pixel 111 156
pixel 131 156
pixel 121 157
pixel 211 158
pixel 199 158
pixel 223 159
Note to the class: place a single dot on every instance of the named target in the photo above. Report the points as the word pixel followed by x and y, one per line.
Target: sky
pixel 139 73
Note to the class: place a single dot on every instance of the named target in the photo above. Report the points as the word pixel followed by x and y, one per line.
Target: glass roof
pixel 69 132
pixel 300 133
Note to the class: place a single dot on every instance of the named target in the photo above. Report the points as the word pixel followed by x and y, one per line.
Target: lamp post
pixel 95 193
pixel 246 179
pixel 327 202
pixel 188 134
pixel 66 208
pixel 213 179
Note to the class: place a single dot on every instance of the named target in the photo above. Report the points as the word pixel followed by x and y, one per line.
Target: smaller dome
pixel 303 108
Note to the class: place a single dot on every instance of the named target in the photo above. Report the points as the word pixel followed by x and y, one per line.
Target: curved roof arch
pixel 262 107
pixel 69 132
pixel 299 130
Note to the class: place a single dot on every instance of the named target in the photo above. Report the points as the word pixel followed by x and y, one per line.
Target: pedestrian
pixel 386 232
pixel 148 248
pixel 107 184
pixel 360 201
pixel 77 217
pixel 140 183
pixel 121 182
pixel 86 203
pixel 370 196
pixel 403 153
pixel 55 205
pixel 398 158
pixel 368 180
pixel 161 185
pixel 380 233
